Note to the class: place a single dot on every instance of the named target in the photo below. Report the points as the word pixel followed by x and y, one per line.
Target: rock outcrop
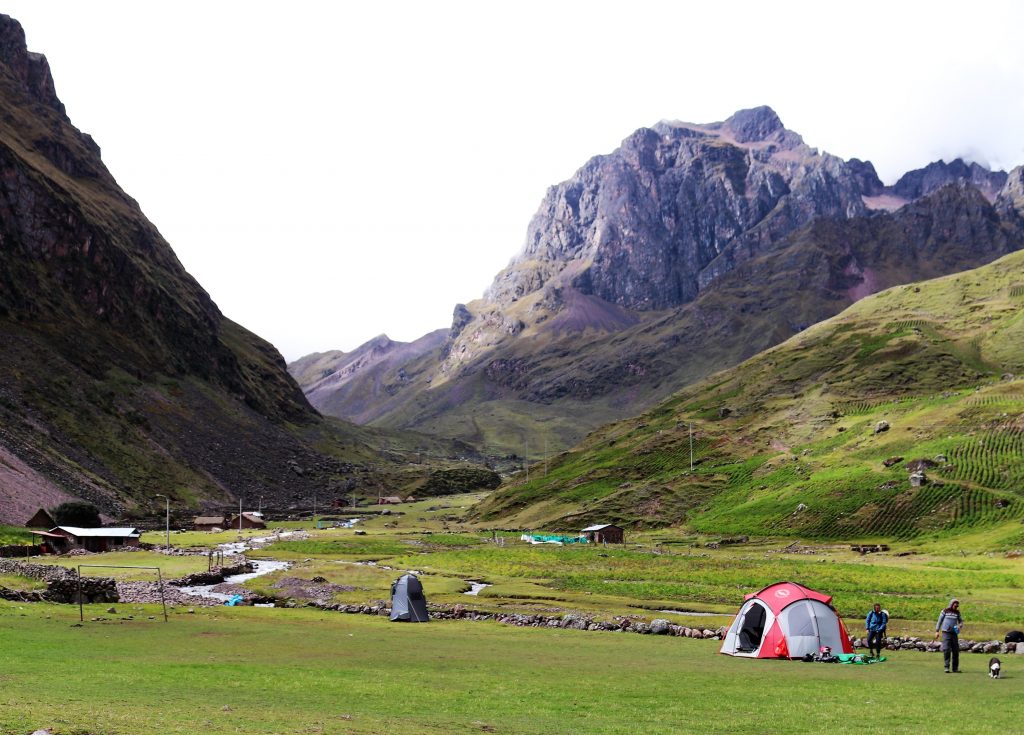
pixel 647 226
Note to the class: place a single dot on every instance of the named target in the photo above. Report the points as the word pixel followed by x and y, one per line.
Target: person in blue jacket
pixel 949 625
pixel 876 622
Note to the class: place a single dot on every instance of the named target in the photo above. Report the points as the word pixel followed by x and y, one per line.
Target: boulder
pixel 660 626
pixel 881 426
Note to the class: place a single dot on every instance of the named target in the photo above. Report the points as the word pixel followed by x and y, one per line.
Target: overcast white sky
pixel 334 171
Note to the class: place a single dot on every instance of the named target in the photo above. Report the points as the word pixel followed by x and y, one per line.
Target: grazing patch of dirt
pixel 305 589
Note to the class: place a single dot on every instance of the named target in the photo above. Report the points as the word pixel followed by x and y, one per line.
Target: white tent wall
pixel 808 625
pixel 733 643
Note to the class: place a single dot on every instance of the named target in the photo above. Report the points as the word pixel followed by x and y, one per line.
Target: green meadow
pixel 307 670
pixel 252 670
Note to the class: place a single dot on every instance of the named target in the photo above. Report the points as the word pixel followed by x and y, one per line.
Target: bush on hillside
pixel 461 480
pixel 78 514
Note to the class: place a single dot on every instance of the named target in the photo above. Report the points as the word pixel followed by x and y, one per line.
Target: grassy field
pixel 170 566
pixel 639 581
pixel 304 670
pixel 662 570
pixel 18 582
pixel 300 671
pixel 667 569
pixel 14 535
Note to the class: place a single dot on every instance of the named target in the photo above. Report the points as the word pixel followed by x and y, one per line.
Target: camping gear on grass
pixel 407 601
pixel 786 620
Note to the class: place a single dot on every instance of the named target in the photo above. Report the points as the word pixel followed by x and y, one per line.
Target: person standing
pixel 949 625
pixel 876 622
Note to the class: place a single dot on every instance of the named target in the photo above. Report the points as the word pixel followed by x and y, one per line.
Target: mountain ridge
pixel 617 253
pixel 121 378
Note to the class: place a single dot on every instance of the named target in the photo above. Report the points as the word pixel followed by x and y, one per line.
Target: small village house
pixel 41 519
pixel 68 538
pixel 604 534
pixel 209 523
pixel 248 520
pixel 389 500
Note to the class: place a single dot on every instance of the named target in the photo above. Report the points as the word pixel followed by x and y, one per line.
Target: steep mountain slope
pixel 364 380
pixel 818 436
pixel 120 377
pixel 686 250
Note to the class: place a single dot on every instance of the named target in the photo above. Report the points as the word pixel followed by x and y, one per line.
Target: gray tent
pixel 407 601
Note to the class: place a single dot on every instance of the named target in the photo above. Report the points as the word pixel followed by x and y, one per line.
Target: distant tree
pixel 81 515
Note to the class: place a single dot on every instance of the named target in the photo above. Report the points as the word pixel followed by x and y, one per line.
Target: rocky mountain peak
pixel 380 342
pixel 753 125
pixel 1010 201
pixel 924 181
pixel 30 70
pixel 640 227
pixel 866 176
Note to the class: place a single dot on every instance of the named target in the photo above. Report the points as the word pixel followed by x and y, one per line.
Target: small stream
pixel 260 566
pixel 267 566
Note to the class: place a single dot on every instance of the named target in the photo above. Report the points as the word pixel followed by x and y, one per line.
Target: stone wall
pixel 44 572
pixel 18 596
pixel 62 583
pixel 928 645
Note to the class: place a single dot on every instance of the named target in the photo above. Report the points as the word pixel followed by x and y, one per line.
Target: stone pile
pixel 149 593
pixel 217 575
pixel 911 643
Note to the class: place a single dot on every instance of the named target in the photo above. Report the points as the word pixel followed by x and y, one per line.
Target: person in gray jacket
pixel 949 625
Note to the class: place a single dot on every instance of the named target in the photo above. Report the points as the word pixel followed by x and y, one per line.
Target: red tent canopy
pixel 786 620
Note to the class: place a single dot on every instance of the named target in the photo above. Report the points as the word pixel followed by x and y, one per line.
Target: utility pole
pixel 314 510
pixel 526 459
pixel 691 446
pixel 167 518
pixel 239 515
pixel 261 505
pixel 545 456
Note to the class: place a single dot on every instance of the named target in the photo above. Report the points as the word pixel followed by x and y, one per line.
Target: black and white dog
pixel 994 666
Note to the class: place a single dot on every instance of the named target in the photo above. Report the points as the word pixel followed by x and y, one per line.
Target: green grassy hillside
pixel 786 442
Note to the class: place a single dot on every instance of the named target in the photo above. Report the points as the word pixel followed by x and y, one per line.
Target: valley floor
pixel 311 670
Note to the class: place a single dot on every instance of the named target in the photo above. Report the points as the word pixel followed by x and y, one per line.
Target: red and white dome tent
pixel 786 620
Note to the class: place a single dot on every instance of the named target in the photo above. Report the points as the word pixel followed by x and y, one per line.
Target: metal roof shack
pixel 604 533
pixel 92 539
